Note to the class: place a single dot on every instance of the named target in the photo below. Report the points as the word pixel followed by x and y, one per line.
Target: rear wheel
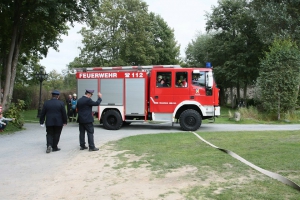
pixel 190 120
pixel 112 120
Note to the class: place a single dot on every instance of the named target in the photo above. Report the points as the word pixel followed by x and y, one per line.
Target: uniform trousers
pixel 53 135
pixel 70 114
pixel 73 114
pixel 89 128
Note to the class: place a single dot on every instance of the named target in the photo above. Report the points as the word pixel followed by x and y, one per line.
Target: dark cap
pixel 55 92
pixel 89 91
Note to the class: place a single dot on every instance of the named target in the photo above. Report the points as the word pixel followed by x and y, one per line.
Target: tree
pixel 235 47
pixel 166 48
pixel 279 77
pixel 277 19
pixel 101 43
pixel 137 47
pixel 69 79
pixel 126 34
pixel 30 28
pixel 54 81
pixel 27 67
pixel 197 50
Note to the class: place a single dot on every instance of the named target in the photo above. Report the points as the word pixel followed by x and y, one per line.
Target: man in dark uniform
pixel 86 119
pixel 56 117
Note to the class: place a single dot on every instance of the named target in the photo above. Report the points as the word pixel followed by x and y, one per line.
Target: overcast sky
pixel 186 17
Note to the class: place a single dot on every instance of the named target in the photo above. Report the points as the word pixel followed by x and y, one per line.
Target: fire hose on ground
pixel 266 172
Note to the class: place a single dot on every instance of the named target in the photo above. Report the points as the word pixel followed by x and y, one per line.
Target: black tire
pixel 190 120
pixel 112 120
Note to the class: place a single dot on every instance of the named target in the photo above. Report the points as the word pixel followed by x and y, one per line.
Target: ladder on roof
pixel 88 69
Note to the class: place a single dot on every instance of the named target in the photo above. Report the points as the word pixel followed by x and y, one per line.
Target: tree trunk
pixel 3 55
pixel 238 92
pixel 245 93
pixel 231 98
pixel 278 111
pixel 221 96
pixel 15 62
pixel 8 67
pixel 1 98
pixel 12 58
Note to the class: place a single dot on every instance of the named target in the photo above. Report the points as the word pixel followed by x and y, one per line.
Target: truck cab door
pixel 161 93
pixel 198 84
pixel 182 86
pixel 202 90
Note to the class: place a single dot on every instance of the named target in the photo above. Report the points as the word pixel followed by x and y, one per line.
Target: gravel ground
pixel 26 171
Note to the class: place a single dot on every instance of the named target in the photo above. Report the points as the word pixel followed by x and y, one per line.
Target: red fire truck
pixel 166 93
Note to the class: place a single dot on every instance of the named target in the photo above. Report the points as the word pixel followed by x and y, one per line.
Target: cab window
pixel 163 79
pixel 181 79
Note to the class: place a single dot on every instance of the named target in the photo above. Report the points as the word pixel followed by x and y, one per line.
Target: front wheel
pixel 190 120
pixel 112 120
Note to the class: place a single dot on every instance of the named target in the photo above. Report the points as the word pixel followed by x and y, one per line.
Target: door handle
pixel 155 97
pixel 192 97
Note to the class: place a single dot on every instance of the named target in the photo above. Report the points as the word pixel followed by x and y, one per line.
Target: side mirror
pixel 209 80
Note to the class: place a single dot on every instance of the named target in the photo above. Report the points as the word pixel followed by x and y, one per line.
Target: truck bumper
pixel 217 111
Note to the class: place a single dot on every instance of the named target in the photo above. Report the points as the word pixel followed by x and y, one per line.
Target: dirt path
pixel 92 175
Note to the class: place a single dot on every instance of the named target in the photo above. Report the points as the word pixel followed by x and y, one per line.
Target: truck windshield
pixel 199 79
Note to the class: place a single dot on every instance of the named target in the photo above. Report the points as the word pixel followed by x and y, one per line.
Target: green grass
pixel 272 150
pixel 31 116
pixel 252 116
pixel 10 128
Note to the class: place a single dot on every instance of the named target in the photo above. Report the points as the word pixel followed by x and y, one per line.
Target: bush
pixel 26 94
pixel 250 102
pixel 249 113
pixel 15 111
pixel 292 116
pixel 30 95
pixel 279 77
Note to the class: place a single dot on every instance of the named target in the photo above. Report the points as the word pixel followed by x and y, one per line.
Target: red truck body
pixel 163 93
